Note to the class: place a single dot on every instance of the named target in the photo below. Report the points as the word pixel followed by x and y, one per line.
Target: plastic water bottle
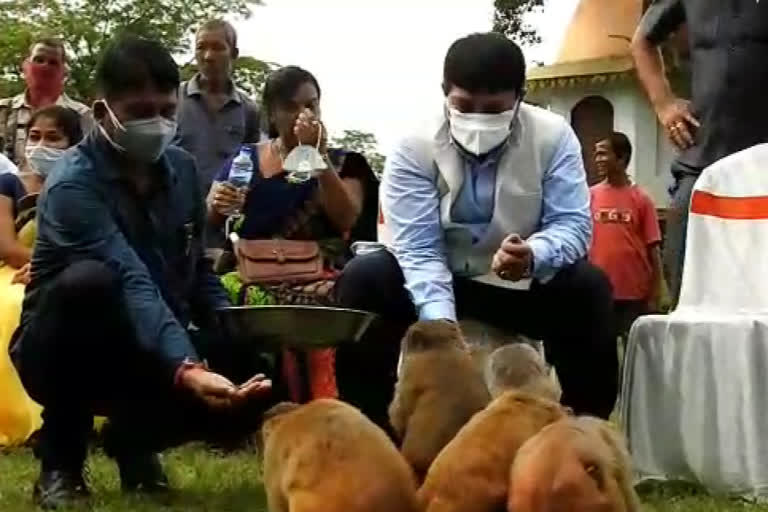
pixel 240 175
pixel 241 172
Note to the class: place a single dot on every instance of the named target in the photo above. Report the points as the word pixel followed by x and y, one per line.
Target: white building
pixel 593 84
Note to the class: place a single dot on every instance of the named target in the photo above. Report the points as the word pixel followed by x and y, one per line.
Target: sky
pixel 379 62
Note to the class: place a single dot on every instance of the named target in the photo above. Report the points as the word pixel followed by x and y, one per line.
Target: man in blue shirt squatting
pixel 489 215
pixel 118 279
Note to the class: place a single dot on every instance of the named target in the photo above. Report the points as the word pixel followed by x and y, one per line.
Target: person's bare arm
pixel 12 252
pixel 660 21
pixel 341 199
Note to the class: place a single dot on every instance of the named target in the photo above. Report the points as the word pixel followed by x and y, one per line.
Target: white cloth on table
pixel 695 388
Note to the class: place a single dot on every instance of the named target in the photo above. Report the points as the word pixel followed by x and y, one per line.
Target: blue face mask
pixel 41 159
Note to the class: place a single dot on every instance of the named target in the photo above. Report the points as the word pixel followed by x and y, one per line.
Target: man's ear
pixel 235 54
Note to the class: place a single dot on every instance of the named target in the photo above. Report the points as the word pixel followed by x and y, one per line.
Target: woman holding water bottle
pixel 288 187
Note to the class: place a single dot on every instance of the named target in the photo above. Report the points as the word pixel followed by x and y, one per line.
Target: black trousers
pixel 572 314
pixel 625 314
pixel 78 358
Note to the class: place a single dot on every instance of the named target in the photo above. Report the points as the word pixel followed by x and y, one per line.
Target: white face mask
pixel 480 133
pixel 143 140
pixel 41 159
pixel 304 161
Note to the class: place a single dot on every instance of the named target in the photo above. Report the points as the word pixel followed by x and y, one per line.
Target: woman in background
pixel 323 209
pixel 50 132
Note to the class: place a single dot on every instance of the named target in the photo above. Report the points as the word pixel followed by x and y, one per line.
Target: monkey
pixel 326 456
pixel 577 464
pixel 520 366
pixel 438 391
pixel 471 474
pixel 483 339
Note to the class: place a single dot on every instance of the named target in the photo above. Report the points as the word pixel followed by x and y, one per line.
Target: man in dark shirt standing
pixel 121 297
pixel 728 111
pixel 215 117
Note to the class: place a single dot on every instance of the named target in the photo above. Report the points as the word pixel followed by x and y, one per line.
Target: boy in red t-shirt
pixel 626 235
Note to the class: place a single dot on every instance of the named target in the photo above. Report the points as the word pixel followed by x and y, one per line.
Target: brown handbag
pixel 278 261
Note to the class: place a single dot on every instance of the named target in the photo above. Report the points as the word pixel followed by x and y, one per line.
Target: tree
pixel 508 20
pixel 364 143
pixel 87 25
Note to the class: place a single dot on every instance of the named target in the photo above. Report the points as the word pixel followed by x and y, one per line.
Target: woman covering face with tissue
pixel 51 131
pixel 289 170
pixel 295 192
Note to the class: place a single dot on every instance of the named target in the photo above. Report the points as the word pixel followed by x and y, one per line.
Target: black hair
pixel 230 34
pixel 66 120
pixel 620 145
pixel 484 63
pixel 132 63
pixel 281 87
pixel 51 42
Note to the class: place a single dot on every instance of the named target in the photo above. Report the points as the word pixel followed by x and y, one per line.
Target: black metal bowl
pixel 295 326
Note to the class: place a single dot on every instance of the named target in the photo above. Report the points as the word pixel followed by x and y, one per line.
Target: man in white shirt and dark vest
pixel 488 209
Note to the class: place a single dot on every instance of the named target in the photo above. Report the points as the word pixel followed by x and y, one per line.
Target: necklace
pixel 277 148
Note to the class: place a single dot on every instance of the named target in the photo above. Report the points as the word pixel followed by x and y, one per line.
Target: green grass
pixel 206 482
pixel 202 481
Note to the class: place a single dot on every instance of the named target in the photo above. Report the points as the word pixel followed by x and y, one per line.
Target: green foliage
pixel 508 20
pixel 363 143
pixel 87 25
pixel 254 295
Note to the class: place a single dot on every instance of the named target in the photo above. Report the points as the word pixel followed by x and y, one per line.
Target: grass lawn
pixel 208 482
pixel 204 482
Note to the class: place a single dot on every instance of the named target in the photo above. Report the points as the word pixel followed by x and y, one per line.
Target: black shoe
pixel 142 473
pixel 55 489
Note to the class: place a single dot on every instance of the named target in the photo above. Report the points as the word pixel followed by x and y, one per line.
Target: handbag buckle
pixel 279 255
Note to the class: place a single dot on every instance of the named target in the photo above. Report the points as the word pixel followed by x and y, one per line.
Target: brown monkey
pixel 438 391
pixel 471 474
pixel 574 465
pixel 483 339
pixel 326 456
pixel 520 366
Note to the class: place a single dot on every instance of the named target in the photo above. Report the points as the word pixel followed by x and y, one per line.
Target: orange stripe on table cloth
pixel 742 208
